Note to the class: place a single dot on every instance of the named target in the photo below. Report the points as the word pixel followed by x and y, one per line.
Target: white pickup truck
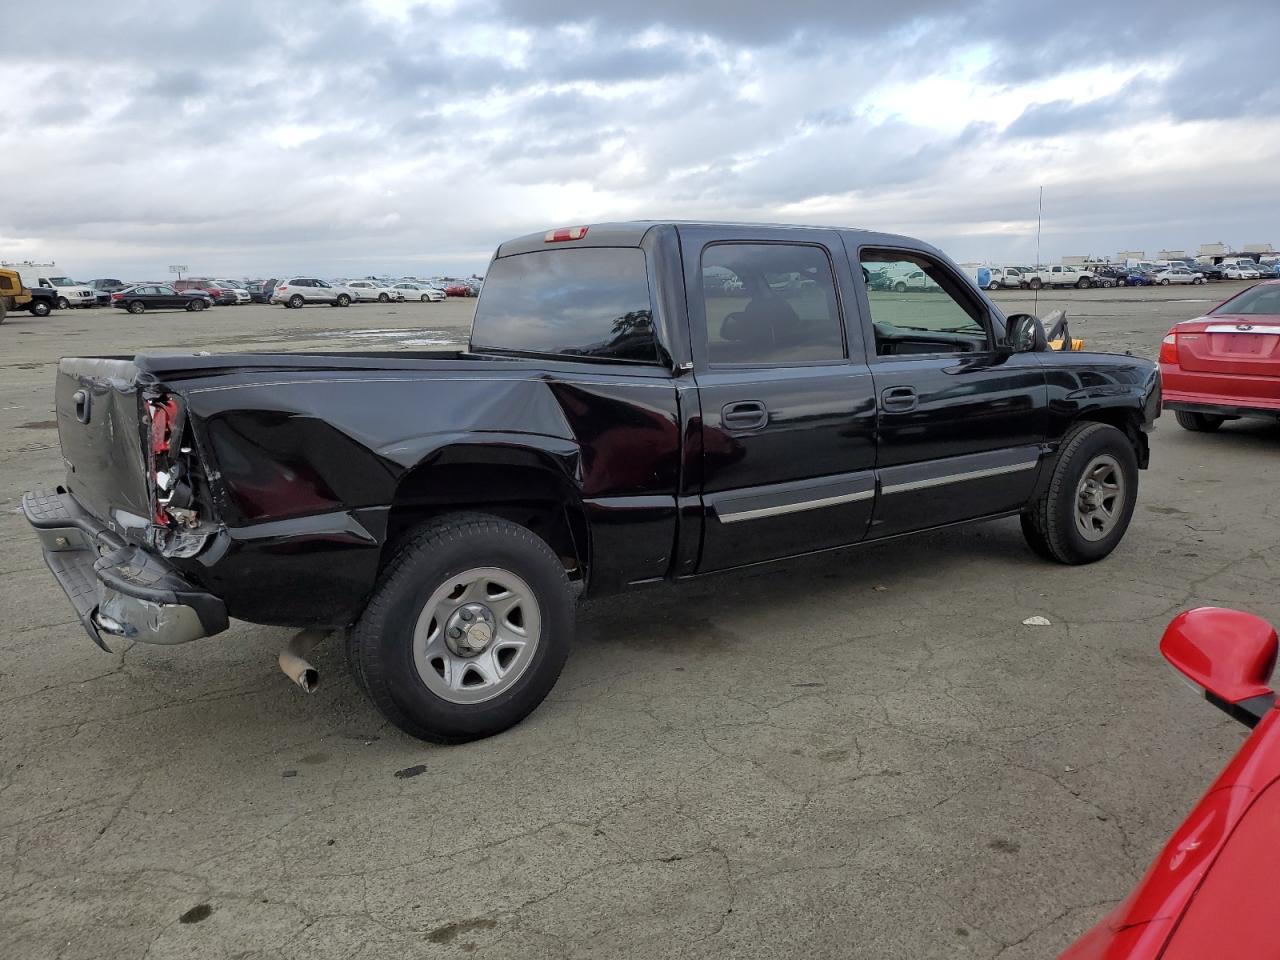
pixel 67 292
pixel 1058 277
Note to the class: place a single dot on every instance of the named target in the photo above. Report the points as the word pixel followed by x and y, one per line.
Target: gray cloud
pixel 261 139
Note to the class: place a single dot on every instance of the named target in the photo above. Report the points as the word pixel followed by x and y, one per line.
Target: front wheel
pixel 383 298
pixel 466 631
pixel 137 306
pixel 425 298
pixel 1036 283
pixel 64 303
pixel 1197 280
pixel 195 306
pixel 344 300
pixel 1086 508
pixel 1082 284
pixel 1198 422
pixel 900 287
pixel 40 308
pixel 1164 282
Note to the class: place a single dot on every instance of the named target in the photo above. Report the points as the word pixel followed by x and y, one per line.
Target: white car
pixel 373 290
pixel 242 295
pixel 1240 271
pixel 914 280
pixel 299 291
pixel 1176 275
pixel 410 290
pixel 1008 277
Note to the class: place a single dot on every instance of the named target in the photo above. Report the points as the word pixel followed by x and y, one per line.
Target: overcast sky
pixel 261 138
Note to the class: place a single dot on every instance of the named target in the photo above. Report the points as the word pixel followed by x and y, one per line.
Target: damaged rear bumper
pixel 118 589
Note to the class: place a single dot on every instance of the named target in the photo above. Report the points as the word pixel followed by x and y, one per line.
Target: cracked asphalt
pixel 862 755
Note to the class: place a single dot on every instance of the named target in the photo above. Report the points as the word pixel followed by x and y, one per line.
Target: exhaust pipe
pixel 293 659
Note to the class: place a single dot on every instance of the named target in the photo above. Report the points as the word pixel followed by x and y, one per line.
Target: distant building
pixel 1124 255
pixel 1172 255
pixel 1256 248
pixel 1076 261
pixel 1214 249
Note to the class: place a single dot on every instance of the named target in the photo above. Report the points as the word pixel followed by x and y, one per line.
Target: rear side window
pixel 589 302
pixel 770 303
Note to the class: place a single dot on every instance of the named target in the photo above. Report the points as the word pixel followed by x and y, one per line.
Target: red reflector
pixel 566 233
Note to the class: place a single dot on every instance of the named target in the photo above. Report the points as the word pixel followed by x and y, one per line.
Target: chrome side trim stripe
pixel 1235 328
pixel 795 507
pixel 958 477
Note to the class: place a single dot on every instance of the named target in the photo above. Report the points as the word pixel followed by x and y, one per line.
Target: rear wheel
pixel 296 301
pixel 1035 283
pixel 1198 422
pixel 1088 503
pixel 137 306
pixel 467 630
pixel 900 287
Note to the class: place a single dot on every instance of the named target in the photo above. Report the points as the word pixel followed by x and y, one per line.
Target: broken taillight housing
pixel 171 493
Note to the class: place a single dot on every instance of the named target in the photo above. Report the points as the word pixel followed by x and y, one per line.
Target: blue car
pixel 1137 278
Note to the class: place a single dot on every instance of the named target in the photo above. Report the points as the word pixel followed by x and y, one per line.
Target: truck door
pixel 960 424
pixel 788 418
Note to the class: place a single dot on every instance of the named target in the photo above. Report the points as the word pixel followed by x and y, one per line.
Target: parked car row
pixel 1141 273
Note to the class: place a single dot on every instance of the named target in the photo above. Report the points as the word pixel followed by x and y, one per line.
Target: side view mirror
pixel 1024 333
pixel 1228 654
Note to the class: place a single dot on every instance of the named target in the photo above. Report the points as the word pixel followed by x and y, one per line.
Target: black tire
pixel 425 298
pixel 343 300
pixel 63 303
pixel 383 298
pixel 1164 282
pixel 900 287
pixel 1197 280
pixel 1198 422
pixel 137 306
pixel 39 308
pixel 195 306
pixel 380 645
pixel 1035 283
pixel 296 301
pixel 1049 524
pixel 1083 284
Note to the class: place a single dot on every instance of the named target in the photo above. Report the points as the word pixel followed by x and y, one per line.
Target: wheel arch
pixel 1128 421
pixel 524 484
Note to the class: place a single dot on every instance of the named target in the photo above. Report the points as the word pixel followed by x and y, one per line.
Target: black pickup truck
pixel 639 402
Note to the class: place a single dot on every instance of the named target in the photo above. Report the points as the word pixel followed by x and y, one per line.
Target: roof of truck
pixel 631 233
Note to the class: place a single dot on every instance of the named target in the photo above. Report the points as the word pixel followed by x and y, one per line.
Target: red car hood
pixel 1212 890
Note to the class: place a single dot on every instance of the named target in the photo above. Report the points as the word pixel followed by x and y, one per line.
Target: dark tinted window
pixel 770 303
pixel 588 302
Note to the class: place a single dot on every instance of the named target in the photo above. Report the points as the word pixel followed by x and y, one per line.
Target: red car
pixel 1212 892
pixel 458 290
pixel 1226 364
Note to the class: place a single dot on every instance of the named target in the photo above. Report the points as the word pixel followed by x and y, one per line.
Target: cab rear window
pixel 592 303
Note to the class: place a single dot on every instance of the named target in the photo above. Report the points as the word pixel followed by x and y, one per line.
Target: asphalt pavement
pixel 860 755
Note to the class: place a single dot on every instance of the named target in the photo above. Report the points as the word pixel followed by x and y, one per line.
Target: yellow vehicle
pixel 12 293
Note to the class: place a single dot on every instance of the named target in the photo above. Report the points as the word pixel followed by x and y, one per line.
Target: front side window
pixel 590 302
pixel 917 307
pixel 770 303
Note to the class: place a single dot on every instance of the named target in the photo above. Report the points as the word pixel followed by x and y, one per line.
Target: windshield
pixel 1260 301
pixel 62 281
pixel 585 302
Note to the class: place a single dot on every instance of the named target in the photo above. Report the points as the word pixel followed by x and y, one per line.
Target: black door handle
pixel 744 415
pixel 899 399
